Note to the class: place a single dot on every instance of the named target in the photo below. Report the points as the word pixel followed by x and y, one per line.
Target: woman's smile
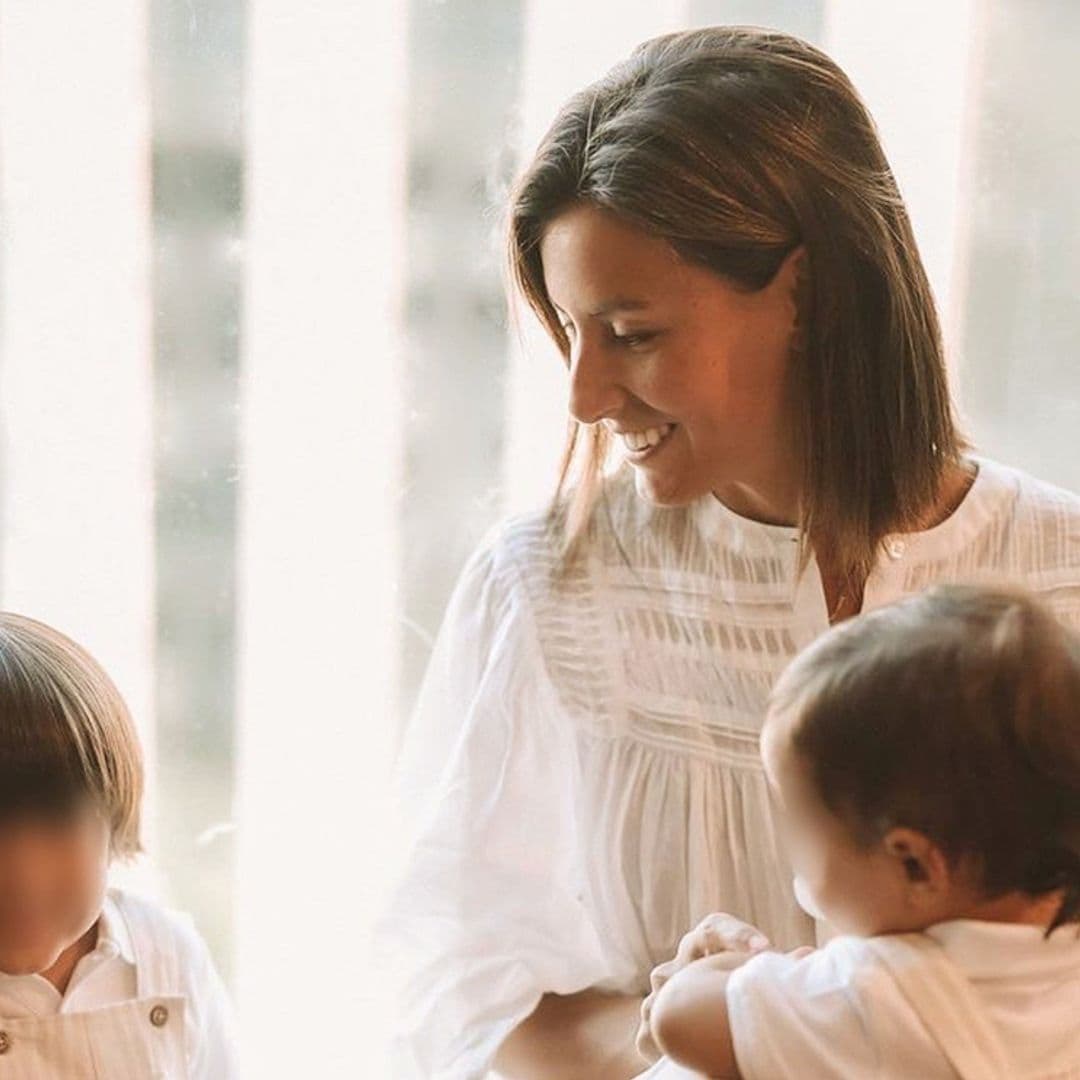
pixel 642 443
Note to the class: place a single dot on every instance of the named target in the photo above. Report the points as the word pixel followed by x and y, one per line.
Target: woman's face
pixel 689 371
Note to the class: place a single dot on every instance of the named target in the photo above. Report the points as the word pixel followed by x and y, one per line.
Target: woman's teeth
pixel 636 441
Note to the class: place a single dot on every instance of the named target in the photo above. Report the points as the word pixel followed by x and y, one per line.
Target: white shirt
pixel 839 1013
pixel 107 976
pixel 581 777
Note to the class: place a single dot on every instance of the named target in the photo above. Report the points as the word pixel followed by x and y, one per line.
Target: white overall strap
pixel 945 1001
pixel 157 961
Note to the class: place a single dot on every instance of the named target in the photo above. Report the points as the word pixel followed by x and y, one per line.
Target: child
pixel 926 761
pixel 93 982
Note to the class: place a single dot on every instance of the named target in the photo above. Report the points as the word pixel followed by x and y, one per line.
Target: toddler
pixel 94 983
pixel 925 760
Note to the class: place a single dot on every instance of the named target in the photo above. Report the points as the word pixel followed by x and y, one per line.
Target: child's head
pixel 70 789
pixel 927 761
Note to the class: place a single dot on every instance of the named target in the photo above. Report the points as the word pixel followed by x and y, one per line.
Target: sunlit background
pixel 259 397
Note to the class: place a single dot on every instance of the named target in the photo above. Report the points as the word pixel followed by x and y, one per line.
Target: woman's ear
pixel 793 273
pixel 793 281
pixel 922 864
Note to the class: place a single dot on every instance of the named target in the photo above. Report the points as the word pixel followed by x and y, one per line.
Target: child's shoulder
pixel 805 1015
pixel 813 976
pixel 847 968
pixel 168 931
pixel 172 958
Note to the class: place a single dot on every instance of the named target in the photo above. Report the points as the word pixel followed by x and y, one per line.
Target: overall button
pixel 159 1016
pixel 5 1042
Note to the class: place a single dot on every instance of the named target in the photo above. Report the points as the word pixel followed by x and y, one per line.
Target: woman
pixel 714 239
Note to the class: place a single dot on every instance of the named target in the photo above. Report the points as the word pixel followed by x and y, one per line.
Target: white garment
pixel 582 775
pixel 840 1012
pixel 666 1069
pixel 109 1023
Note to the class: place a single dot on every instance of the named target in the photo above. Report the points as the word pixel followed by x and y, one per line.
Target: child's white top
pixel 840 1013
pixel 109 975
pixel 582 775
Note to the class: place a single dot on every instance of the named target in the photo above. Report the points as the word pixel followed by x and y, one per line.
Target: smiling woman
pixel 803 225
pixel 713 239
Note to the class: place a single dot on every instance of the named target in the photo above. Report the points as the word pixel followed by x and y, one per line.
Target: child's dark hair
pixel 65 733
pixel 956 713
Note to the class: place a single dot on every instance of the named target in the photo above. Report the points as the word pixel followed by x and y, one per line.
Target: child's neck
pixel 60 973
pixel 1015 907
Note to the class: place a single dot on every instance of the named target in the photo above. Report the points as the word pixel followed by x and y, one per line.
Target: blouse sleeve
pixel 488 909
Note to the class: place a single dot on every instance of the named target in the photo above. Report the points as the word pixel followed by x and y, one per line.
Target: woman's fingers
pixel 721 932
pixel 646 1047
pixel 661 973
pixel 716 933
pixel 692 946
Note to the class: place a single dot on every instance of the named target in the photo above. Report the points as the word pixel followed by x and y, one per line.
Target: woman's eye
pixel 642 337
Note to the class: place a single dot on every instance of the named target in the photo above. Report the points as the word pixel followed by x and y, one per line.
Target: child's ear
pixel 921 862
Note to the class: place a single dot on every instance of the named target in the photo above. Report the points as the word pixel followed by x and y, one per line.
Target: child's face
pixel 52 885
pixel 898 884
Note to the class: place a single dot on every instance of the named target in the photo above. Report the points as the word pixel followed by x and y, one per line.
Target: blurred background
pixel 259 398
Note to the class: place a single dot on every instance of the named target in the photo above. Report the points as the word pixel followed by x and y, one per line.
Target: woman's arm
pixel 585 1035
pixel 689 1020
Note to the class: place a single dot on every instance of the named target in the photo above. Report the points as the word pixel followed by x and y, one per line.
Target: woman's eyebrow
pixel 610 307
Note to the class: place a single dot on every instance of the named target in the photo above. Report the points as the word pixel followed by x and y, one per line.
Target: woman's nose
pixel 595 390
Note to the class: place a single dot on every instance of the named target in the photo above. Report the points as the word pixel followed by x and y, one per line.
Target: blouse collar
pixel 977 507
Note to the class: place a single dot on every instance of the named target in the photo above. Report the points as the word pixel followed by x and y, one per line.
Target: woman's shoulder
pixel 514 552
pixel 1038 516
pixel 1026 531
pixel 538 541
pixel 1033 495
pixel 618 519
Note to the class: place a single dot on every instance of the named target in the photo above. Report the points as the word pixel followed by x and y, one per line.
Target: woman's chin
pixel 662 488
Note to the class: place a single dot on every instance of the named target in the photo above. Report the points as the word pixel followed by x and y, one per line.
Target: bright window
pixel 259 397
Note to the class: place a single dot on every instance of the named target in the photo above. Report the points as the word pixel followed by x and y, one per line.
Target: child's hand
pixel 717 933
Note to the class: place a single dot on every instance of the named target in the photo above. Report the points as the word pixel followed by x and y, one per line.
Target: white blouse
pixel 581 778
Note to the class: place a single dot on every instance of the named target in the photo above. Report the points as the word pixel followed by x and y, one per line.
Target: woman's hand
pixel 717 933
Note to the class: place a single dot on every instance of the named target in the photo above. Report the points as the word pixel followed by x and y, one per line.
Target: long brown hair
pixel 736 145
